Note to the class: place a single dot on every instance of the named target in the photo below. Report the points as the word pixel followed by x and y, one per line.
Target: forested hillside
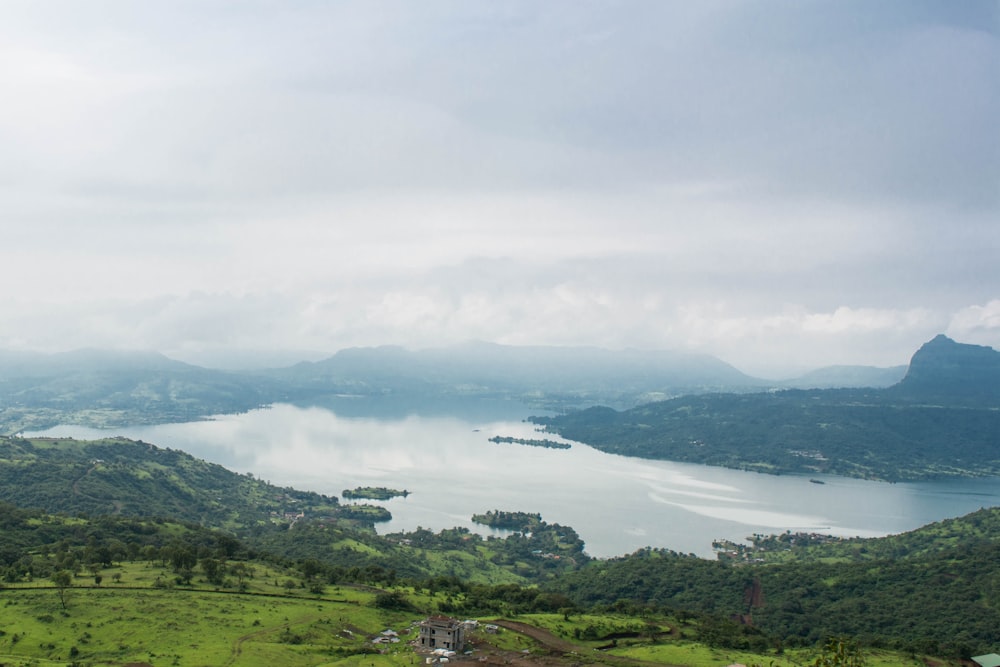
pixel 914 430
pixel 125 477
pixel 928 591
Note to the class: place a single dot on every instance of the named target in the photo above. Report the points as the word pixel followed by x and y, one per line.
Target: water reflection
pixel 617 504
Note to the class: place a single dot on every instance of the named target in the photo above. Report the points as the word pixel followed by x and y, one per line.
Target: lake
pixel 441 453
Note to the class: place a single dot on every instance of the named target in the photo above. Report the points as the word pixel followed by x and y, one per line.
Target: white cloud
pixel 788 185
pixel 977 324
pixel 846 319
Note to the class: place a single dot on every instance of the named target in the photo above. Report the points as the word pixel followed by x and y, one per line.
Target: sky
pixel 782 184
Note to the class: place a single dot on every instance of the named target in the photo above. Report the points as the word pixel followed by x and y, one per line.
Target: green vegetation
pixel 120 476
pixel 89 583
pixel 980 528
pixel 549 444
pixel 928 591
pixel 373 493
pixel 141 624
pixel 522 521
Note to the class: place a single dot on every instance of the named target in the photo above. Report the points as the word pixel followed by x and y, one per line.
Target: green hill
pixel 120 476
pixel 932 590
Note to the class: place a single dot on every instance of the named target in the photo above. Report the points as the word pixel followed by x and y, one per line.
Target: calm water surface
pixel 617 504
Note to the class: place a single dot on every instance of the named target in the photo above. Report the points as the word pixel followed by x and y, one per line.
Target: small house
pixel 988 660
pixel 442 632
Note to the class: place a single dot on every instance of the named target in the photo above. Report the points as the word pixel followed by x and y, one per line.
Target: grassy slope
pixel 122 624
pixel 131 622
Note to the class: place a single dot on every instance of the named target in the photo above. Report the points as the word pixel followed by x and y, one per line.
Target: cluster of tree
pixel 941 604
pixel 522 521
pixel 373 493
pixel 35 545
pixel 531 442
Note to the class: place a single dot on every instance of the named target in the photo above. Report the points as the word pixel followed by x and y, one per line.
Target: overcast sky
pixel 783 184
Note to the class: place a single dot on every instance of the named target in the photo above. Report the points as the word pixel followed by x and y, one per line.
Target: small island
pixel 364 513
pixel 523 521
pixel 550 444
pixel 373 493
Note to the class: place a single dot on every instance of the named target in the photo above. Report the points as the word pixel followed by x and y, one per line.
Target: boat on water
pixel 816 481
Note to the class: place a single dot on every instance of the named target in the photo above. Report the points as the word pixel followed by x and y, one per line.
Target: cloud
pixel 774 183
pixel 979 324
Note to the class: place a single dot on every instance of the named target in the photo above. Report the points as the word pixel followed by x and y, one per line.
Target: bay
pixel 441 454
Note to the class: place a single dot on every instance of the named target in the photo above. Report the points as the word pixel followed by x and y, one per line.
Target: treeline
pixel 942 604
pixel 531 442
pixel 373 493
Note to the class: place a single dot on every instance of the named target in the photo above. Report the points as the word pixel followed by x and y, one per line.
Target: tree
pixel 392 600
pixel 214 570
pixel 62 580
pixel 840 652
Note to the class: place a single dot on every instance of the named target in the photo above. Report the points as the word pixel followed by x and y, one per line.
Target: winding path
pixel 583 654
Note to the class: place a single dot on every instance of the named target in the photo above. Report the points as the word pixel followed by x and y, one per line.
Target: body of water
pixel 617 504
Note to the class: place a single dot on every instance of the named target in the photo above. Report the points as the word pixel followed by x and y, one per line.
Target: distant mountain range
pixel 583 373
pixel 102 388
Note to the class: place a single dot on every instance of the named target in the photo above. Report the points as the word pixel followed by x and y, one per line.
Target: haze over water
pixel 617 504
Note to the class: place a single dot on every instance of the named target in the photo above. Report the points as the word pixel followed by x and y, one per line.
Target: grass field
pixel 132 622
pixel 277 622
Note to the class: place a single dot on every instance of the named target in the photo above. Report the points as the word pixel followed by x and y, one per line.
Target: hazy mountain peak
pixel 944 368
